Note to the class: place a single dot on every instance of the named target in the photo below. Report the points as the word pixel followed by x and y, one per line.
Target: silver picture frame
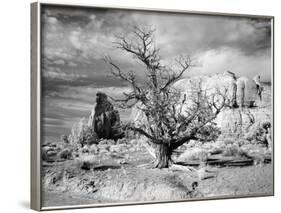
pixel 37 105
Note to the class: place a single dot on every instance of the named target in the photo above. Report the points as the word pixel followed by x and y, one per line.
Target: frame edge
pixel 35 185
pixel 36 203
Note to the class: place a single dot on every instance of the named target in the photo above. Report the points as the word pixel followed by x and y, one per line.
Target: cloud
pixel 72 64
pixel 88 93
pixel 51 20
pixel 220 60
pixel 61 75
pixel 197 33
pixel 80 35
pixel 74 39
pixel 59 62
pixel 54 72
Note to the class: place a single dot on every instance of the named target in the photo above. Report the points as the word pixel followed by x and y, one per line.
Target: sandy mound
pixel 118 184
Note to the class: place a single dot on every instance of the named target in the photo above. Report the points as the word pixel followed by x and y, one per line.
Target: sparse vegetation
pixel 82 134
pixel 260 133
pixel 64 138
pixel 66 154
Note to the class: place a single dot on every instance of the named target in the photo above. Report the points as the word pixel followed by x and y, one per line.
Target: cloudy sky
pixel 75 41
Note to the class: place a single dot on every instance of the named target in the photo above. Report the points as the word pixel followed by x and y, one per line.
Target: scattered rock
pixel 86 166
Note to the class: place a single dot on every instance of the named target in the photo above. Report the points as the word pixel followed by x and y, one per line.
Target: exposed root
pixel 175 167
pixel 149 165
pixel 150 150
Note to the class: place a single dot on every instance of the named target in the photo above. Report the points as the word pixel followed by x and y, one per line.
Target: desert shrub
pixel 65 154
pixel 228 141
pixel 209 133
pixel 93 149
pixel 84 149
pixel 194 154
pixel 82 134
pixel 88 136
pixel 122 141
pixel 260 133
pixel 254 133
pixel 242 142
pixel 107 142
pixel 129 134
pixel 230 150
pixel 86 162
pixel 234 150
pixel 53 178
pixel 64 138
pixel 216 150
pixel 77 130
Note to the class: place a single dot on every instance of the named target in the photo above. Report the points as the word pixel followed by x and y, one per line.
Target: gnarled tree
pixel 172 120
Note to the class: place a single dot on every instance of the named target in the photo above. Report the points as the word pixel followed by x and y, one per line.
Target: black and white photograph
pixel 147 106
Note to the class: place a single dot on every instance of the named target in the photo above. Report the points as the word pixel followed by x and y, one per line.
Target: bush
pixel 209 133
pixel 88 136
pixel 233 150
pixel 123 141
pixel 242 142
pixel 64 138
pixel 86 162
pixel 228 141
pixel 94 149
pixel 77 130
pixel 65 154
pixel 129 134
pixel 230 150
pixel 107 142
pixel 82 134
pixel 193 154
pixel 260 133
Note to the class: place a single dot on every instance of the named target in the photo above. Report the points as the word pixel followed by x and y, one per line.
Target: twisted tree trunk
pixel 163 156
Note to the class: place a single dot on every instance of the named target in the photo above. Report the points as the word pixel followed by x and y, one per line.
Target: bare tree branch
pixel 171 120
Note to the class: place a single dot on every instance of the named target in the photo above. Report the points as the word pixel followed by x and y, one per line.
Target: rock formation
pixel 237 123
pixel 260 88
pixel 104 119
pixel 242 92
pixel 247 92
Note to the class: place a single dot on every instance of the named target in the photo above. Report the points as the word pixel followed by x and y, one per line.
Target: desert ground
pixel 120 171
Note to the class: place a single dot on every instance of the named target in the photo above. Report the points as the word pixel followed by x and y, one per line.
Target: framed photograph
pixel 137 106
